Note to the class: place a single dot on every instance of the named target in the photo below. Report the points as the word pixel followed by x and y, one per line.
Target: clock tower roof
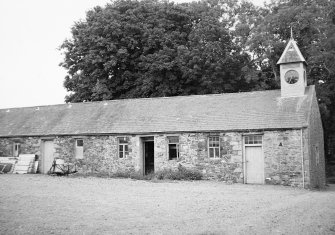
pixel 291 54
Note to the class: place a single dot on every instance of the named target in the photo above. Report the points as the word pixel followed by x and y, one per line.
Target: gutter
pixel 244 131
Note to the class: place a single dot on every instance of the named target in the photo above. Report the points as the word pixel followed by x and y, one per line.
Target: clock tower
pixel 292 71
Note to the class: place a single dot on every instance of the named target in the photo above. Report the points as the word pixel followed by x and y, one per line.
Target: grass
pixel 41 204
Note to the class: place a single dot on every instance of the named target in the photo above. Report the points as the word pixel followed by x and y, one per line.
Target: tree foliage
pixel 150 48
pixel 265 32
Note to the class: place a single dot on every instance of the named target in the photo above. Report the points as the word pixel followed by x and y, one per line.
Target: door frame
pixel 42 163
pixel 143 139
pixel 244 156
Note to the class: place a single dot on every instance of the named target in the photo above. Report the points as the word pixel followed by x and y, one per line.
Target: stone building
pixel 260 137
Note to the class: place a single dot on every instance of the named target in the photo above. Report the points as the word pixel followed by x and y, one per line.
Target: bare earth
pixel 40 204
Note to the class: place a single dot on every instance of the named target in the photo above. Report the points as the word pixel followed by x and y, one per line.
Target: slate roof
pixel 224 112
pixel 291 54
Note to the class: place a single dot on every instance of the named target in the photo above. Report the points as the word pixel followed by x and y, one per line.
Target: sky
pixel 30 35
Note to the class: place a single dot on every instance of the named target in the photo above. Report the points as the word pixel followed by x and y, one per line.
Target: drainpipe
pixel 302 160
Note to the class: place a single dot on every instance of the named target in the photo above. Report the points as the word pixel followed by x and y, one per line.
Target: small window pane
pixel 253 139
pixel 80 143
pixel 213 141
pixel 126 148
pixel 211 152
pixel 121 154
pixel 216 152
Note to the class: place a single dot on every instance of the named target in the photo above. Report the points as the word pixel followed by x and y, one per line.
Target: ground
pixel 41 204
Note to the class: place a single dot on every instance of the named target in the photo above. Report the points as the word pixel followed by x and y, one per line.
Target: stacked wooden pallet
pixel 6 164
pixel 26 164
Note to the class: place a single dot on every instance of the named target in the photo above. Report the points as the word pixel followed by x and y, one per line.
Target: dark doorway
pixel 149 157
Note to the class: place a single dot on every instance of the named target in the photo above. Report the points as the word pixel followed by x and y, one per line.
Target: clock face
pixel 291 76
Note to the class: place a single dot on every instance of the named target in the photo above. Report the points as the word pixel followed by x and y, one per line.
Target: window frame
pixel 258 142
pixel 213 147
pixel 124 145
pixel 176 143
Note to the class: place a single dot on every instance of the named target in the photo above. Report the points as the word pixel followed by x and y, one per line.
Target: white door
pixel 254 165
pixel 48 156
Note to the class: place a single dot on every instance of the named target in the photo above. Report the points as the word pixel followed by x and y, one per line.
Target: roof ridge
pixel 141 98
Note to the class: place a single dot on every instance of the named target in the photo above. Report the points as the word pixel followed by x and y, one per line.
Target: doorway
pixel 148 155
pixel 48 156
pixel 254 160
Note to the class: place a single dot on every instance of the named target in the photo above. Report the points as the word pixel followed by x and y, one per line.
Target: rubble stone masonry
pixel 282 154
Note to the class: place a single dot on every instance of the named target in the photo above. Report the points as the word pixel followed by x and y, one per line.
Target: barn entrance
pixel 254 160
pixel 148 155
pixel 48 156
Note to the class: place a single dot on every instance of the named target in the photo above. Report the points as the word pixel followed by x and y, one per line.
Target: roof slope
pixel 291 54
pixel 234 111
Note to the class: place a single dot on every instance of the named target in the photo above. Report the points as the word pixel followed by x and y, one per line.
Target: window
pixel 253 139
pixel 214 146
pixel 173 142
pixel 123 147
pixel 79 149
pixel 16 149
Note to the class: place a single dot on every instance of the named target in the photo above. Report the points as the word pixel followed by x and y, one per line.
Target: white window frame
pixel 254 142
pixel 79 150
pixel 125 145
pixel 173 143
pixel 213 147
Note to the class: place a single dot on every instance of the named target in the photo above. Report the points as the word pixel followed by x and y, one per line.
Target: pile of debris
pixel 25 163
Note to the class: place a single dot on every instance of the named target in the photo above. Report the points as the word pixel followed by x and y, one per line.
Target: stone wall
pixel 28 145
pixel 100 154
pixel 317 170
pixel 282 154
pixel 194 154
pixel 283 157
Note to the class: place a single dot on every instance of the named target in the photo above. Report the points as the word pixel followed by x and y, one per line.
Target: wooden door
pixel 254 165
pixel 48 156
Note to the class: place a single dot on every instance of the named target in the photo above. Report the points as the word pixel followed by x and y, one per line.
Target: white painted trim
pixel 245 160
pixel 78 150
pixel 142 140
pixel 212 147
pixel 123 148
pixel 302 160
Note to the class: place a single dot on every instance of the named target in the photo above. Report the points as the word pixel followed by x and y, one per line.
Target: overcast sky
pixel 30 33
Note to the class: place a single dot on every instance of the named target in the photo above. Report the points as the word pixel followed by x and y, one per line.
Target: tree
pixel 265 36
pixel 150 48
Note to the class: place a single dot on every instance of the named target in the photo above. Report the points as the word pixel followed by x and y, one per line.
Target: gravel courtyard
pixel 40 204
